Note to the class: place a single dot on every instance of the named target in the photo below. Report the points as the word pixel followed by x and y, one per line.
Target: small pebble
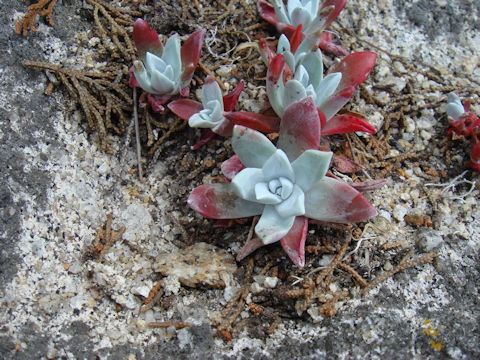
pixel 429 240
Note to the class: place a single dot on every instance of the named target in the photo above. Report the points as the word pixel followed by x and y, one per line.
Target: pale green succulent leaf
pixel 169 73
pixel 294 205
pixel 201 120
pixel 211 92
pixel 301 16
pixel 327 88
pixel 161 84
pixel 280 11
pixel 310 167
pixel 171 54
pixel 455 108
pixel 276 93
pixel 301 75
pixel 216 110
pixel 278 166
pixel 142 76
pixel 283 44
pixel 290 60
pixel 292 5
pixel 294 91
pixel 244 183
pixel 314 7
pixel 252 147
pixel 265 196
pixel 313 64
pixel 455 111
pixel 272 227
pixel 286 186
pixel 154 62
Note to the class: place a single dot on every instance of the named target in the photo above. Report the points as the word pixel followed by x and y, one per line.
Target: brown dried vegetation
pixel 28 22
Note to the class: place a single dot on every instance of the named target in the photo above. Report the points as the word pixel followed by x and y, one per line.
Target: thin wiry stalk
pixel 137 135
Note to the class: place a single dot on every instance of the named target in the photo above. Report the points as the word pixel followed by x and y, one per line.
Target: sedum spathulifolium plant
pixel 285 185
pixel 465 123
pixel 164 70
pixel 216 113
pixel 313 17
pixel 294 73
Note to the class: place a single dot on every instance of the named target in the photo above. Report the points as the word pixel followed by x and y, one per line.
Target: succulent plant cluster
pixel 464 122
pixel 164 70
pixel 310 14
pixel 289 182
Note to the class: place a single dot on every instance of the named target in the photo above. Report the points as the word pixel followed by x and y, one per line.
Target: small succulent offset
pixel 285 185
pixel 330 92
pixel 465 123
pixel 312 16
pixel 293 50
pixel 164 71
pixel 216 113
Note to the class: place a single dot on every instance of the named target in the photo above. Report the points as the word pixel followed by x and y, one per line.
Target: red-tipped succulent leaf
pixel 331 9
pixel 184 108
pixel 294 242
pixel 275 68
pixel 249 247
pixel 354 68
pixel 231 99
pixel 296 39
pixel 346 123
pixel 341 203
pixel 345 165
pixel 231 167
pixel 299 128
pixel 218 201
pixel 190 54
pixel 327 44
pixel 263 123
pixel 206 136
pixel 146 38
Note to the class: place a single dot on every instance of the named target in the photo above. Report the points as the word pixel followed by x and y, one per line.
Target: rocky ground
pixel 84 242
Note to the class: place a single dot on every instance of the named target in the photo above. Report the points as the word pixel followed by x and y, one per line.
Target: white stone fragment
pixel 199 264
pixel 399 212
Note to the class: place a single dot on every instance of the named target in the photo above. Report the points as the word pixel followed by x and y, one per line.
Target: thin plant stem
pixel 137 135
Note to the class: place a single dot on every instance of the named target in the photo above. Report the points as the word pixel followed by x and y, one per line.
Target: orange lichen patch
pixel 418 220
pixel 225 334
pixel 28 21
pixel 255 309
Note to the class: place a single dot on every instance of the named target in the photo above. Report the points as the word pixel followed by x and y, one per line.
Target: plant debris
pixel 28 22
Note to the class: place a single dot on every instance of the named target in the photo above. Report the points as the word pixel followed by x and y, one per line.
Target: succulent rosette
pixel 293 50
pixel 330 92
pixel 312 16
pixel 465 123
pixel 164 70
pixel 216 112
pixel 284 185
pixel 455 108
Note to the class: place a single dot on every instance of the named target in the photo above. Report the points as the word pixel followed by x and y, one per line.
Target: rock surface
pixel 55 193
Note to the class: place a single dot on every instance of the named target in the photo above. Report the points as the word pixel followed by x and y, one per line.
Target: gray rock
pixel 429 240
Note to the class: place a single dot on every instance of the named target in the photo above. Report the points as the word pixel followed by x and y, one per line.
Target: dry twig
pixel 28 21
